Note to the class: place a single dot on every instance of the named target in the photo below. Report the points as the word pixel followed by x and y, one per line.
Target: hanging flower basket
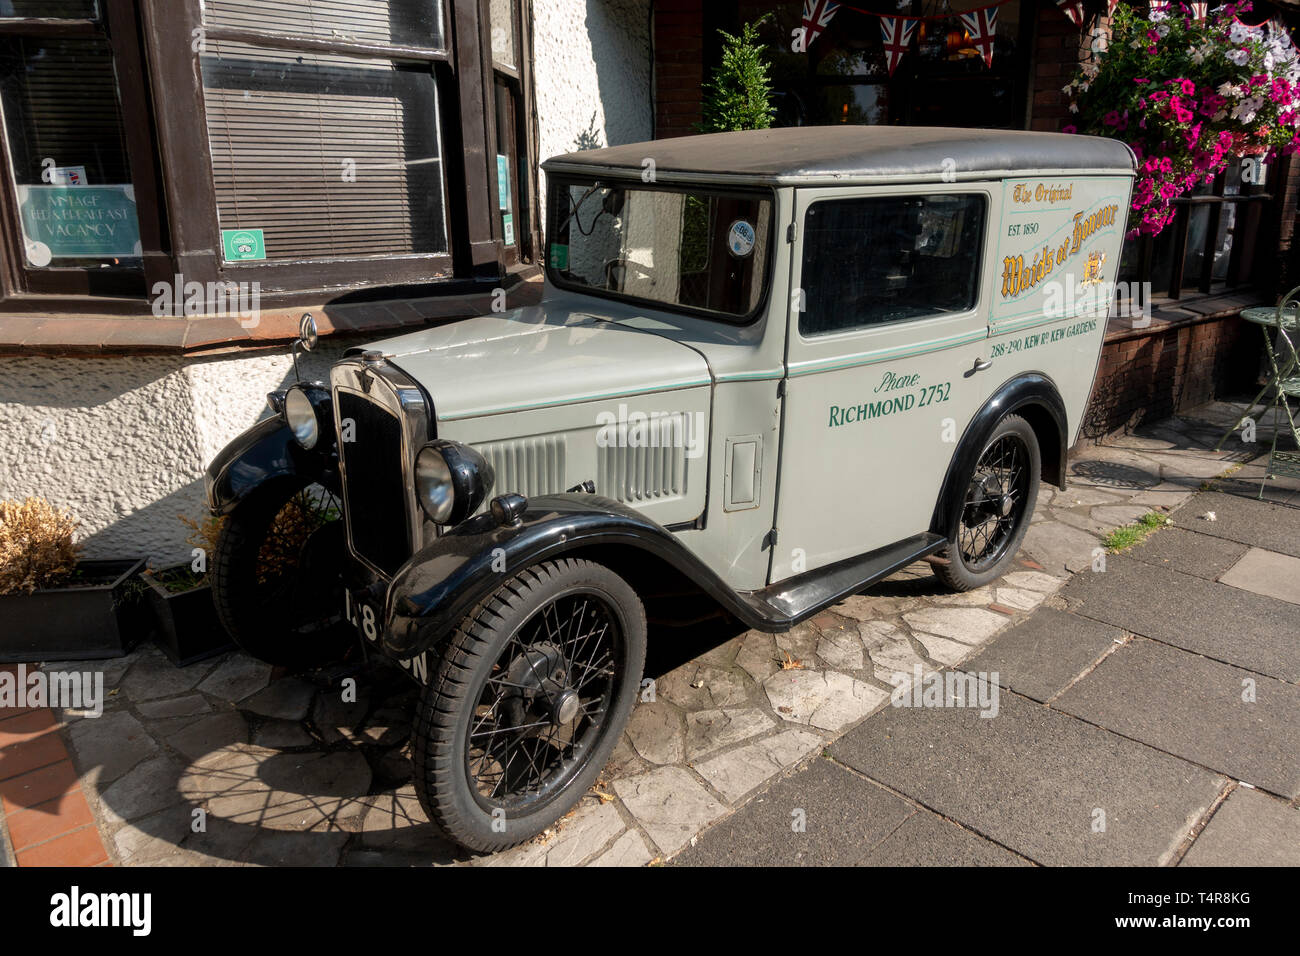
pixel 1188 95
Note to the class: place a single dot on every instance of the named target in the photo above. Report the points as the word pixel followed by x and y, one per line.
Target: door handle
pixel 980 366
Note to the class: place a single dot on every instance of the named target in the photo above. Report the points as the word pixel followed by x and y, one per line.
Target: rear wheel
pixel 1000 498
pixel 527 703
pixel 277 574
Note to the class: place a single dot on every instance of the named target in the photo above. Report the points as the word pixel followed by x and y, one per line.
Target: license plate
pixel 363 616
pixel 367 620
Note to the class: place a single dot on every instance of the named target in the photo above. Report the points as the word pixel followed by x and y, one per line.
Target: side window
pixel 888 259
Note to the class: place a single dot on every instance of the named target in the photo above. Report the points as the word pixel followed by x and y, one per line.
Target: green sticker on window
pixel 559 256
pixel 243 245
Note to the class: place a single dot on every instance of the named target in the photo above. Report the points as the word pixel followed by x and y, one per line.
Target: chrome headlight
pixel 300 414
pixel 451 481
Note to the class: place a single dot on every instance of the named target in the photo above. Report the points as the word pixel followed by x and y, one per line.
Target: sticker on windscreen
pixel 740 240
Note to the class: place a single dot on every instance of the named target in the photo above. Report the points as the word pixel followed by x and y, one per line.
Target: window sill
pixel 1188 310
pixel 91 334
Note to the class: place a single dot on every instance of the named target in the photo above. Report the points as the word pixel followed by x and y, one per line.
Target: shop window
pixel 322 148
pixel 942 79
pixel 872 261
pixel 70 196
pixel 512 161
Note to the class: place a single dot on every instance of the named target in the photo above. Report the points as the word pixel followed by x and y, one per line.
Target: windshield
pixel 694 248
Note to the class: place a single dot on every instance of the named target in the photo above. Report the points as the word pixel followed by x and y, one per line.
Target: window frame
pixel 980 269
pixel 558 183
pixel 116 25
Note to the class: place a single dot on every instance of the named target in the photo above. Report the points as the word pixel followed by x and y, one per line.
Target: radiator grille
pixel 374 488
pixel 648 464
pixel 527 466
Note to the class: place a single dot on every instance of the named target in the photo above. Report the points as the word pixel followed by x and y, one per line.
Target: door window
pixel 872 261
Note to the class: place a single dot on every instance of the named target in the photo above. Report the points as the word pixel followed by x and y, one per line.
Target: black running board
pixel 780 606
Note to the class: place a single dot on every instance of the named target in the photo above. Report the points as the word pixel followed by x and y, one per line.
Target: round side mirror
pixel 307 332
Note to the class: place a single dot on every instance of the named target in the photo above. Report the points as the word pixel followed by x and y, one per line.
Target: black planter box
pixel 76 623
pixel 186 628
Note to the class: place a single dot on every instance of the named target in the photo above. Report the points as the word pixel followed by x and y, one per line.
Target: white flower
pixel 1138 44
pixel 1163 29
pixel 1228 90
pixel 1239 57
pixel 1074 107
pixel 1155 16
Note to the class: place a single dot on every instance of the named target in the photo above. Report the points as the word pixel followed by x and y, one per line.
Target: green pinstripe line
pixel 620 393
pixel 901 351
pixel 751 377
pixel 999 329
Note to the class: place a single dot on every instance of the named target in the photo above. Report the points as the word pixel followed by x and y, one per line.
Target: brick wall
pixel 679 66
pixel 1058 48
pixel 1149 375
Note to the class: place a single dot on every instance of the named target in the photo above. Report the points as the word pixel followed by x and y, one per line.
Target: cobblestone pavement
pixel 287 772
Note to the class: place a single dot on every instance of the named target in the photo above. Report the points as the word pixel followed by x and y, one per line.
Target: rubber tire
pixel 954 574
pixel 443 716
pixel 256 632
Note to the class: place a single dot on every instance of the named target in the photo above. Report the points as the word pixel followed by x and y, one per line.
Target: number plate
pixel 368 621
pixel 363 615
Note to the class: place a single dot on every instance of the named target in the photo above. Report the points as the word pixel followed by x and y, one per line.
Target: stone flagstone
pixel 824 699
pixel 656 732
pixel 969 625
pixel 842 649
pixel 670 804
pixel 739 771
pixel 710 730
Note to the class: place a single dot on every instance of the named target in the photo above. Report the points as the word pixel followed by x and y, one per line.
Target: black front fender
pixel 267 450
pixel 441 584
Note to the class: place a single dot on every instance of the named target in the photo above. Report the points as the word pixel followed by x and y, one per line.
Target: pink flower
pixel 1070 129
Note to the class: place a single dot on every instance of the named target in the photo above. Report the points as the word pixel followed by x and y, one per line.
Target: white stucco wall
pixel 124 442
pixel 591 64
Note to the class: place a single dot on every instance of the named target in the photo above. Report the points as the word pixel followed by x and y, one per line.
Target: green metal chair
pixel 1284 363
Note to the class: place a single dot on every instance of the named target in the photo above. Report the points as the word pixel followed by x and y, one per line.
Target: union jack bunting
pixel 1074 10
pixel 982 25
pixel 897 34
pixel 1110 7
pixel 1159 6
pixel 1199 10
pixel 817 16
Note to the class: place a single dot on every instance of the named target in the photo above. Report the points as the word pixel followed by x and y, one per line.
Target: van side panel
pixel 1055 262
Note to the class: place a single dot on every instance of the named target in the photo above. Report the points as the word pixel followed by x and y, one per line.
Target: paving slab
pixel 1249 829
pixel 1191 706
pixel 1058 547
pixel 1032 780
pixel 927 839
pixel 1189 551
pixel 1266 572
pixel 843 817
pixel 1262 524
pixel 1043 653
pixel 670 804
pixel 739 771
pixel 145 789
pixel 107 747
pixel 1252 631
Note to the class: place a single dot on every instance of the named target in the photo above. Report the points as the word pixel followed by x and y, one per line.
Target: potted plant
pixel 1187 94
pixel 186 628
pixel 56 606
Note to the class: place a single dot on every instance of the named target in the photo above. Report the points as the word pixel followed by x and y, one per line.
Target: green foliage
pixel 739 94
pixel 1121 539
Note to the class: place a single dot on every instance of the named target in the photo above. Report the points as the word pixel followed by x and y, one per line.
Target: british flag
pixel 1159 6
pixel 817 16
pixel 1199 10
pixel 982 26
pixel 1074 10
pixel 896 33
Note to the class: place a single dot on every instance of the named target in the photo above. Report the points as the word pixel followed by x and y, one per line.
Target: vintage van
pixel 769 369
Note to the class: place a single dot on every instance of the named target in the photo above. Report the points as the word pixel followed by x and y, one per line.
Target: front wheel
pixel 529 699
pixel 1000 498
pixel 277 575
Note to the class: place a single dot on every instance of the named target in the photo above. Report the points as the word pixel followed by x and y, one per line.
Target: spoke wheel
pixel 527 702
pixel 994 517
pixel 277 574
